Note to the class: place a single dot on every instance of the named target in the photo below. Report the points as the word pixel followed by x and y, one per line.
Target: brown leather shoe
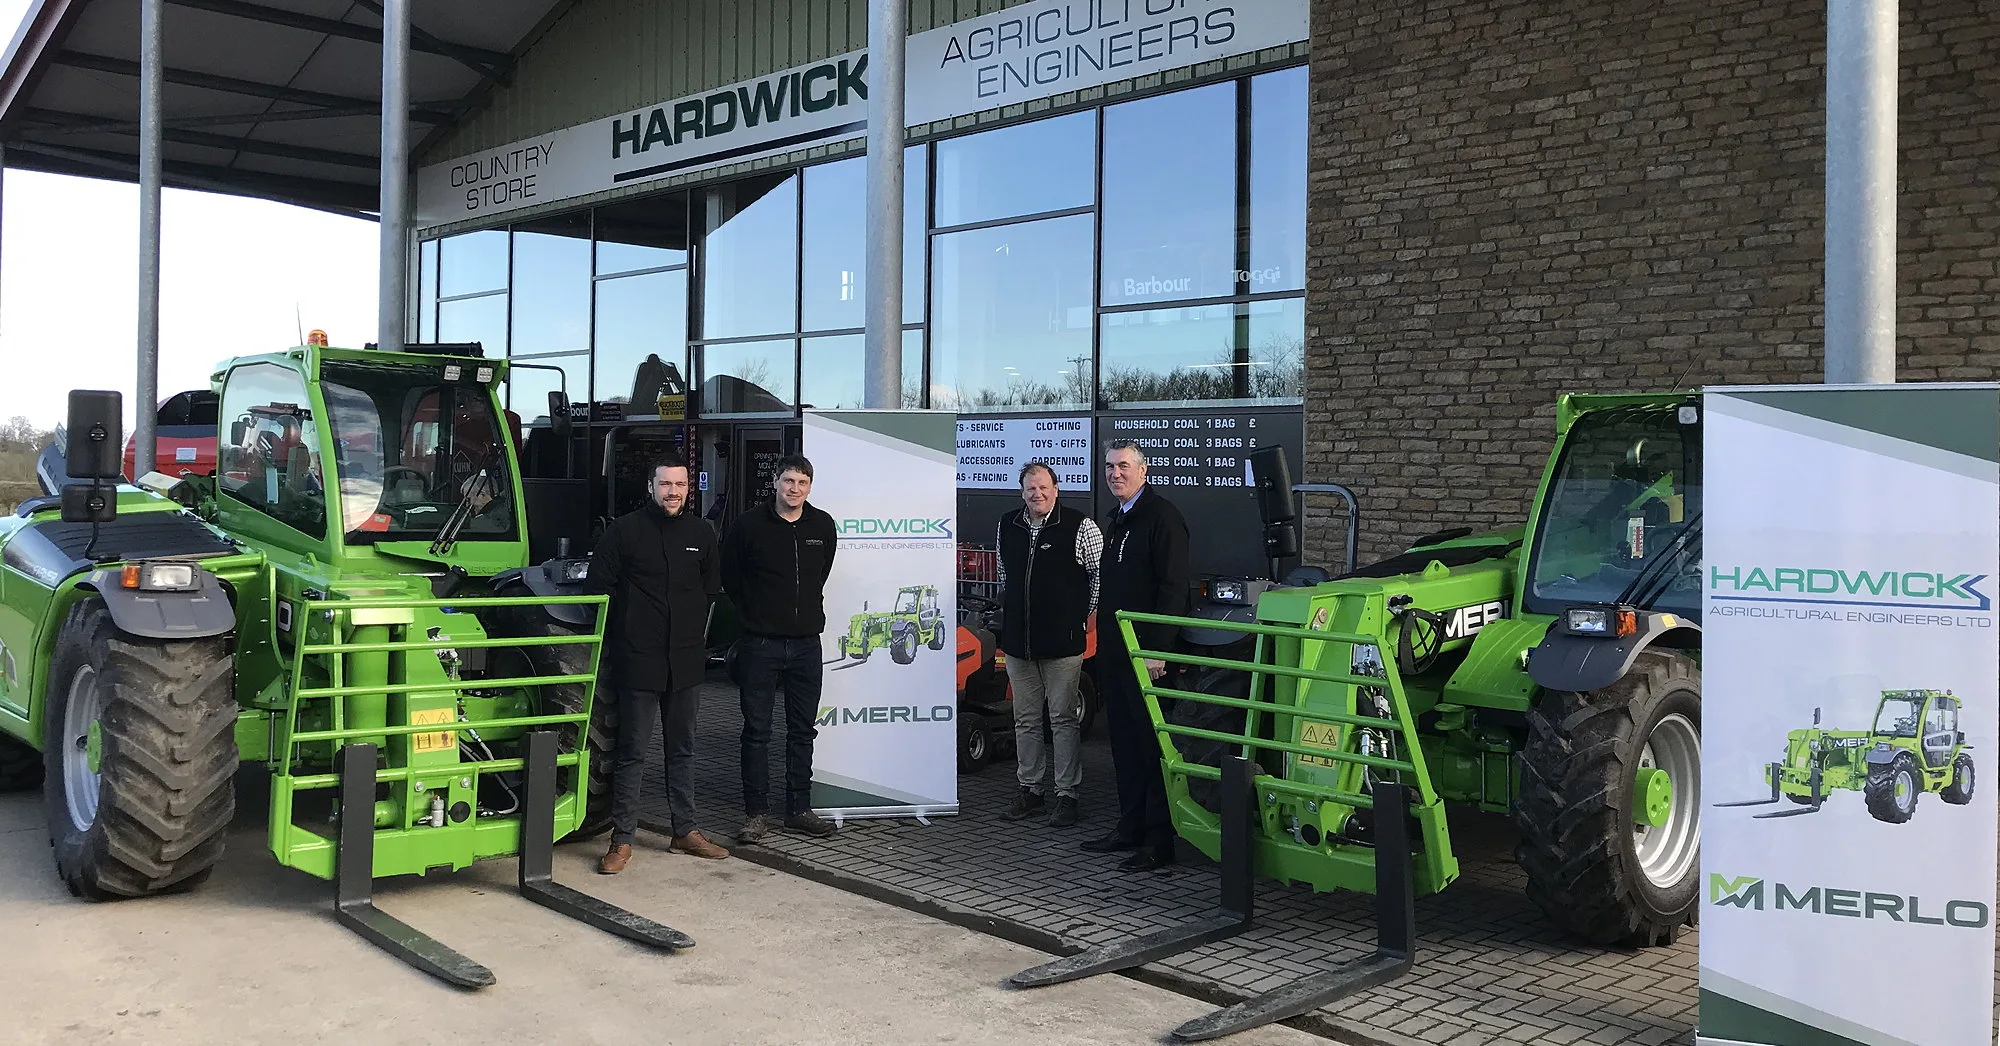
pixel 615 859
pixel 693 843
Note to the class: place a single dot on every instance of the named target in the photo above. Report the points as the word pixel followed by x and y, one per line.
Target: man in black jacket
pixel 775 562
pixel 1144 569
pixel 1048 587
pixel 661 568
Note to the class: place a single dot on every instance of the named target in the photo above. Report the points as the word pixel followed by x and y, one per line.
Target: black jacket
pixel 662 573
pixel 1144 569
pixel 1047 596
pixel 775 570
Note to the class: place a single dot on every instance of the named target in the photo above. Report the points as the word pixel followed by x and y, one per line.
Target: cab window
pixel 268 456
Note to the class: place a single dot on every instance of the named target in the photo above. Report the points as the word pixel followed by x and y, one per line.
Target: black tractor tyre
pixel 20 766
pixel 1574 809
pixel 975 748
pixel 554 699
pixel 903 645
pixel 937 637
pixel 1959 791
pixel 166 715
pixel 1880 791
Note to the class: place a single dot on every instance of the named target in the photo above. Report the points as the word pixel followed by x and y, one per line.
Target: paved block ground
pixel 1489 970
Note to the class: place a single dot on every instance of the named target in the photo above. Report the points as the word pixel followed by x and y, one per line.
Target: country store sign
pixel 1026 52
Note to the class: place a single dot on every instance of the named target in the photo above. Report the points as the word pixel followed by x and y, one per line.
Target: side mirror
pixel 89 503
pixel 96 435
pixel 559 422
pixel 1815 717
pixel 1272 475
pixel 238 429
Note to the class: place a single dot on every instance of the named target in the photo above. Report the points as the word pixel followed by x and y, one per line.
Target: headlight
pixel 575 570
pixel 1599 621
pixel 1592 622
pixel 158 577
pixel 1227 592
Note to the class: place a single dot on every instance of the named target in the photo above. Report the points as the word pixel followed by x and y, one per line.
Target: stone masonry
pixel 1511 199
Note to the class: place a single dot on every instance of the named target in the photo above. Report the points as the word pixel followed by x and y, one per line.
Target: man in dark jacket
pixel 775 562
pixel 662 570
pixel 1048 587
pixel 1144 569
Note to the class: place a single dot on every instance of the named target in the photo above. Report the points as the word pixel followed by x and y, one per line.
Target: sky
pixel 237 277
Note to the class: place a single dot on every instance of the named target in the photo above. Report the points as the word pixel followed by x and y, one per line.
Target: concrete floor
pixel 253 956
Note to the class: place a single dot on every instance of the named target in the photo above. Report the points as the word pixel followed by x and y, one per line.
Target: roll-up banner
pixel 1850 732
pixel 888 743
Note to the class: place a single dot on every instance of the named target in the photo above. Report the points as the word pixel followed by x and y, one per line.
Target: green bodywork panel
pixel 339 637
pixel 1340 697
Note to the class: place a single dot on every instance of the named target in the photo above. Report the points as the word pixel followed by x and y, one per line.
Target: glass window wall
pixel 749 377
pixel 750 268
pixel 1277 182
pixel 482 319
pixel 530 380
pixel 833 280
pixel 473 263
pixel 647 233
pixel 1170 197
pixel 551 286
pixel 833 372
pixel 1252 351
pixel 641 339
pixel 1011 316
pixel 1011 172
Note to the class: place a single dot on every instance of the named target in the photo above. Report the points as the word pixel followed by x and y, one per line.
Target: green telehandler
pixel 347 602
pixel 1549 671
pixel 1915 746
pixel 914 620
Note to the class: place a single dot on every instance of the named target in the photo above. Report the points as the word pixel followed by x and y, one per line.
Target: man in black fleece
pixel 659 565
pixel 775 562
pixel 1144 569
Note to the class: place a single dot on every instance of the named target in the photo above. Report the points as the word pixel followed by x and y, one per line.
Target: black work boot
pixel 1065 814
pixel 809 823
pixel 1025 803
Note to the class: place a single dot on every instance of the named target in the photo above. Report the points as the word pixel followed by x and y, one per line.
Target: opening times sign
pixel 991 451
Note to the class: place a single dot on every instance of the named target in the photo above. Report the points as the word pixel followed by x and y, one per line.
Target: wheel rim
pixel 1667 850
pixel 82 748
pixel 1906 790
pixel 976 745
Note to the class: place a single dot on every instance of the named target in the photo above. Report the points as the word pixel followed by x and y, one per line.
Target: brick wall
pixel 1514 198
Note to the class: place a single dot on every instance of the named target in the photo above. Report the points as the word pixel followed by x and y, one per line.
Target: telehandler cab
pixel 345 601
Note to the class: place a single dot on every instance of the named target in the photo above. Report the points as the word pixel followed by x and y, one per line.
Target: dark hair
pixel 672 459
pixel 1042 465
pixel 792 463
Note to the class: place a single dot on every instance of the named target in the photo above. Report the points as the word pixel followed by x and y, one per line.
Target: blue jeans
pixel 764 665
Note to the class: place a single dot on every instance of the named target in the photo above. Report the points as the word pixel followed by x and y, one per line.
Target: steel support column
pixel 393 320
pixel 1861 64
pixel 152 79
pixel 887 29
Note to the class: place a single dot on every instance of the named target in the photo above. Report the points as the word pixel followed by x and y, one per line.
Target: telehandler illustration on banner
pixel 347 602
pixel 1915 747
pixel 1550 671
pixel 915 619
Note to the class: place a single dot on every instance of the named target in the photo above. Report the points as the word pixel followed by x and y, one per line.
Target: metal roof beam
pixel 231 143
pixel 298 192
pixel 490 65
pixel 50 121
pixel 233 85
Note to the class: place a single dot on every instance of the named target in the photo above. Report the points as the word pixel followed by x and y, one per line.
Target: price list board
pixel 1208 450
pixel 1200 460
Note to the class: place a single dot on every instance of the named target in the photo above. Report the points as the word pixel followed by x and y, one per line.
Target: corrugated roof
pixel 278 99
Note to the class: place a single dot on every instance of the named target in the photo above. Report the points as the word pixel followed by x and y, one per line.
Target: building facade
pixel 1127 257
pixel 1511 200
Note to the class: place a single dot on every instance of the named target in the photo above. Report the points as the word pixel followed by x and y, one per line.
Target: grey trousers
pixel 1050 687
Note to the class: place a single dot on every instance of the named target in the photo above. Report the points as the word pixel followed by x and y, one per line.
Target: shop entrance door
pixel 754 452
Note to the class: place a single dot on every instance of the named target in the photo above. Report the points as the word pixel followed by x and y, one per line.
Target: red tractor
pixel 985 698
